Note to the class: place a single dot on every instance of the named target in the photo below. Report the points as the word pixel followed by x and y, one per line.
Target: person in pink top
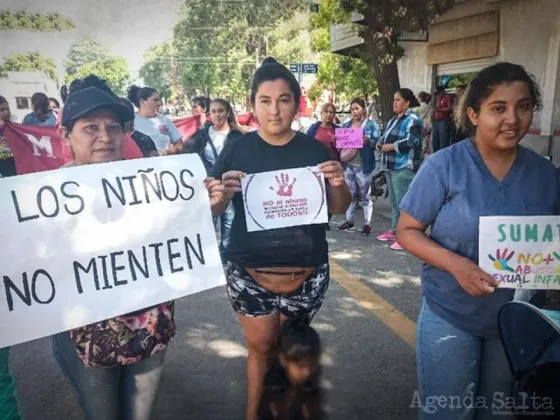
pixel 324 130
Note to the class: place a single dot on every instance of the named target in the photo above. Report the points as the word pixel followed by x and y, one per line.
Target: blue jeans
pixel 223 224
pixel 118 393
pixel 441 135
pixel 459 374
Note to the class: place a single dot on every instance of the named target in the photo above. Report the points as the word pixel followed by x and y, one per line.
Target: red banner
pixel 187 126
pixel 39 149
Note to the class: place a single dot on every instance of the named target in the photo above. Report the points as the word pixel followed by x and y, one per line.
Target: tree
pixel 113 69
pixel 384 21
pixel 157 69
pixel 217 45
pixel 345 77
pixel 30 61
pixel 41 22
pixel 89 56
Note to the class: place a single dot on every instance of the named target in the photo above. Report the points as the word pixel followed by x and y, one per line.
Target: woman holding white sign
pixel 359 165
pixel 114 365
pixel 459 351
pixel 276 273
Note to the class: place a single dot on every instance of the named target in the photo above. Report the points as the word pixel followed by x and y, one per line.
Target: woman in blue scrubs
pixel 462 368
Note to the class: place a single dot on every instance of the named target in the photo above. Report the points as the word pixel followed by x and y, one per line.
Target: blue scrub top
pixel 450 192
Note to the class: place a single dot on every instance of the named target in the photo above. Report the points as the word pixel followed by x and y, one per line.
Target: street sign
pixel 295 68
pixel 309 68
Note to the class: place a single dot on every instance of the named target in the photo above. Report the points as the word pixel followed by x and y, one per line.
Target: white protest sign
pixel 285 198
pixel 87 243
pixel 521 252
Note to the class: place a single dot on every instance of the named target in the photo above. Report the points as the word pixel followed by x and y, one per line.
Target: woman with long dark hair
pixel 209 142
pixel 275 274
pixel 458 348
pixel 401 147
pixel 152 123
pixel 42 114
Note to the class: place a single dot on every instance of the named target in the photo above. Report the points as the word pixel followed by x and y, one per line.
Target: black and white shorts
pixel 249 298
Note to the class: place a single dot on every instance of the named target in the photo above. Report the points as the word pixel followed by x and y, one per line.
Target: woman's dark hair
pixel 229 111
pixel 425 97
pixel 272 70
pixel 40 104
pixel 136 93
pixel 299 341
pixel 64 93
pixel 359 101
pixel 3 100
pixel 89 81
pixel 55 101
pixel 202 102
pixel 409 97
pixel 482 86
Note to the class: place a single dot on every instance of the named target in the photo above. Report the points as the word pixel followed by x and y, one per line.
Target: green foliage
pixel 40 22
pixel 346 77
pixel 217 45
pixel 89 56
pixel 30 61
pixel 157 69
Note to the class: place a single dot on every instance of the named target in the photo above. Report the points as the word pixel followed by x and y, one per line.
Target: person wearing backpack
pixel 208 143
pixel 359 165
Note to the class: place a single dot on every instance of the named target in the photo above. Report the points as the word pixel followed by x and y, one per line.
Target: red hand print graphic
pixel 284 186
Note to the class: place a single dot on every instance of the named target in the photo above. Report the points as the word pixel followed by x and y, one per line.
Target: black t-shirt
pixel 145 144
pixel 298 246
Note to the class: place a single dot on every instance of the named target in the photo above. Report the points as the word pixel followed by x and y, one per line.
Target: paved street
pixel 366 323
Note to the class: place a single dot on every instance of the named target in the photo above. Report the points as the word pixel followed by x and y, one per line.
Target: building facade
pixel 18 87
pixel 475 34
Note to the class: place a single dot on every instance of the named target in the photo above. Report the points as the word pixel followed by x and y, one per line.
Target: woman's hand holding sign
pixel 216 194
pixel 339 196
pixel 232 183
pixel 332 170
pixel 472 278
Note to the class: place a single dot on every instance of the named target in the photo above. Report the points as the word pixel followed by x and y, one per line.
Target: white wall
pixel 414 74
pixel 526 27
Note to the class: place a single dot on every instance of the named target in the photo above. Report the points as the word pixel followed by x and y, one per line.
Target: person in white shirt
pixel 208 143
pixel 150 122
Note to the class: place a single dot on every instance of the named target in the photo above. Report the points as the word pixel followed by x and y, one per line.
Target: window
pixel 22 102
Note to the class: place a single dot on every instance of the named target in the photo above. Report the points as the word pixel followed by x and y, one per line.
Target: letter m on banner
pixel 44 143
pixel 35 148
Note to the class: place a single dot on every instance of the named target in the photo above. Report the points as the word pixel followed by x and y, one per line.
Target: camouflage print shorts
pixel 248 298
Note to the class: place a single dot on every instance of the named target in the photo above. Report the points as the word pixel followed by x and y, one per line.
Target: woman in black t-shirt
pixel 276 274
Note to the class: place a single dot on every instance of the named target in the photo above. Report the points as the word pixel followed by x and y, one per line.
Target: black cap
pixel 89 99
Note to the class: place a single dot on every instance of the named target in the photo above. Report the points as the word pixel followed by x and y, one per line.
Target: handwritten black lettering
pixel 41 200
pixel 25 296
pixel 118 194
pixel 103 259
pixel 34 287
pixel 199 255
pixel 18 211
pixel 147 182
pixel 116 268
pixel 79 267
pixel 65 193
pixel 173 256
pixel 156 248
pixel 186 185
pixel 130 180
pixel 133 262
pixel 171 176
pixel 28 294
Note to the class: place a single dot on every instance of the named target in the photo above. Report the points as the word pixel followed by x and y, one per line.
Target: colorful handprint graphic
pixel 284 186
pixel 502 259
